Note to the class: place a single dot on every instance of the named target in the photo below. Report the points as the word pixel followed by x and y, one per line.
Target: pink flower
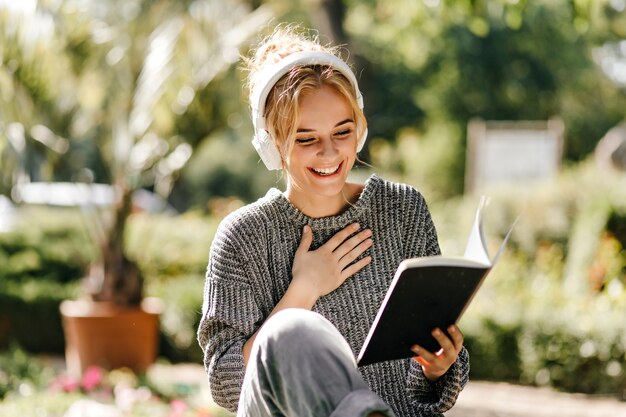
pixel 92 377
pixel 178 408
pixel 64 383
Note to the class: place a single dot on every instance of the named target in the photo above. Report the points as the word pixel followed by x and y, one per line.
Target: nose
pixel 327 148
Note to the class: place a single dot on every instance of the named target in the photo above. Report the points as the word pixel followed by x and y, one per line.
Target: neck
pixel 318 206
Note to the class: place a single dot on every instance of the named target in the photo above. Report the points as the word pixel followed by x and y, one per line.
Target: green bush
pixel 173 252
pixel 494 352
pixel 33 304
pixel 170 246
pixel 574 361
pixel 181 316
pixel 17 368
pixel 47 244
pixel 41 264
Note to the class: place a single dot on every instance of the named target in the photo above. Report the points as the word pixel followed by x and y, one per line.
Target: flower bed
pixel 43 390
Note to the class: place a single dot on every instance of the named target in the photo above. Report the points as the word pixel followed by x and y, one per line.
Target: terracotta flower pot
pixel 106 335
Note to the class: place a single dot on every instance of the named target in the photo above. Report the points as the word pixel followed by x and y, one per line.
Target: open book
pixel 426 293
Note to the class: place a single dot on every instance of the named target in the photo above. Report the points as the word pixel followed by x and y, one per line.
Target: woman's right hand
pixel 323 270
pixel 316 273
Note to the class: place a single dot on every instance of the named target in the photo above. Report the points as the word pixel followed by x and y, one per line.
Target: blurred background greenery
pixel 148 92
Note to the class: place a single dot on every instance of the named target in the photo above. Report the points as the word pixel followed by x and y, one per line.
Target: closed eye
pixel 344 132
pixel 305 141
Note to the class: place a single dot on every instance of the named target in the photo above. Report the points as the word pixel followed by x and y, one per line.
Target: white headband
pixel 262 141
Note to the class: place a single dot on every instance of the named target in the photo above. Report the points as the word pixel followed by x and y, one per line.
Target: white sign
pixel 512 152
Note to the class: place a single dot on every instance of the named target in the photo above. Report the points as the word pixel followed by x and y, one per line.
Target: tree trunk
pixel 117 278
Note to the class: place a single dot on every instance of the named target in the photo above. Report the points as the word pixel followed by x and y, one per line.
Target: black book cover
pixel 426 293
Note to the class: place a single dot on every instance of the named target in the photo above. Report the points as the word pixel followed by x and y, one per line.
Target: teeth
pixel 326 171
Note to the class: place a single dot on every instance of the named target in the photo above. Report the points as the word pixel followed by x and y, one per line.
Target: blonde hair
pixel 281 107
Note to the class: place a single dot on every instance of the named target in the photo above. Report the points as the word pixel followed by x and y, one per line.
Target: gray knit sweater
pixel 249 270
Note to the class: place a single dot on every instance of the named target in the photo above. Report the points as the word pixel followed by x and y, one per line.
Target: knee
pixel 293 322
pixel 293 325
pixel 300 332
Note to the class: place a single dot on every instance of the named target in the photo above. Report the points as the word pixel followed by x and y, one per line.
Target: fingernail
pixel 355 226
pixel 306 228
pixel 452 329
pixel 415 348
pixel 437 332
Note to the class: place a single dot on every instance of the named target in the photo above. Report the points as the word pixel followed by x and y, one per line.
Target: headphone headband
pixel 262 141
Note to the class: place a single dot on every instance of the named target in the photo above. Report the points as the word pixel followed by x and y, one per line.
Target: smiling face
pixel 323 152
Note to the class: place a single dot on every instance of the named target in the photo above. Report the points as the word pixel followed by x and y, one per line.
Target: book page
pixel 476 248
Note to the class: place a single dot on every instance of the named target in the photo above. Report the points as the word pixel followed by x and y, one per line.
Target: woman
pixel 295 279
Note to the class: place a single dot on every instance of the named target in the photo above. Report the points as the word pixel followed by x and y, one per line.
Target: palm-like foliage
pixel 85 81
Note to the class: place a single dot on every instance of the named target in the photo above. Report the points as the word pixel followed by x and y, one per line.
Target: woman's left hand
pixel 436 364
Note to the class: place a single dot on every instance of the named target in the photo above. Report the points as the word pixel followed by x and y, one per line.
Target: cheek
pixel 349 147
pixel 297 158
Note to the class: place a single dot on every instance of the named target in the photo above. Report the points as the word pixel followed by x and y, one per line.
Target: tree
pixel 113 80
pixel 436 63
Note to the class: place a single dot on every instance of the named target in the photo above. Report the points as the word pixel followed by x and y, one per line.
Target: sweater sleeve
pixel 421 234
pixel 426 396
pixel 229 317
pixel 437 397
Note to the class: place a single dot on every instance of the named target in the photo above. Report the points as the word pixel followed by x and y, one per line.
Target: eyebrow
pixel 338 124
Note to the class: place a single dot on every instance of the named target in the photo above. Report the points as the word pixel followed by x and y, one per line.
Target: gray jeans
pixel 301 366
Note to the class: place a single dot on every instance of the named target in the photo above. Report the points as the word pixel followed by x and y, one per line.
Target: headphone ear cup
pixel 266 148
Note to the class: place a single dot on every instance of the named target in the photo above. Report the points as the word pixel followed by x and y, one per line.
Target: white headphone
pixel 262 141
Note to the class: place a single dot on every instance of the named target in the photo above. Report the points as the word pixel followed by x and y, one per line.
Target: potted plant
pixel 119 79
pixel 115 326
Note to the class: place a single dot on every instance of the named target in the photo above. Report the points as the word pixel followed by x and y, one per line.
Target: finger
pixel 348 245
pixel 457 337
pixel 306 239
pixel 423 353
pixel 421 361
pixel 443 340
pixel 341 236
pixel 349 257
pixel 355 267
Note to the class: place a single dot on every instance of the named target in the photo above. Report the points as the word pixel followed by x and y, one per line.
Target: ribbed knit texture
pixel 249 270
